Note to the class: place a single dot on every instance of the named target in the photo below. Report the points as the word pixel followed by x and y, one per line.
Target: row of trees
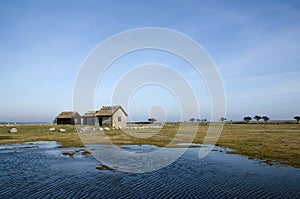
pixel 264 118
pixel 223 119
pixel 246 119
pixel 198 120
pixel 257 118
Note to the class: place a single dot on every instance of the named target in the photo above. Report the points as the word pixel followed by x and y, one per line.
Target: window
pixel 119 119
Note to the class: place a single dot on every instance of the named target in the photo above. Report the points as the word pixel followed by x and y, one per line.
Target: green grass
pixel 269 142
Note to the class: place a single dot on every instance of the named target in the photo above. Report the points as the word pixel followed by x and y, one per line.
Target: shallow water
pixel 38 144
pixel 44 172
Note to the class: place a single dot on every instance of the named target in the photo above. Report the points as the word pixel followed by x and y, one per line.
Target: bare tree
pixel 247 119
pixel 297 118
pixel 265 118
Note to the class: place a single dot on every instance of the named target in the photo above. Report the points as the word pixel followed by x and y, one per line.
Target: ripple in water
pixel 38 173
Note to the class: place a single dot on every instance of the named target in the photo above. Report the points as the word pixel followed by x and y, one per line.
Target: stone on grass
pixel 106 128
pixel 13 130
pixel 62 130
pixel 52 129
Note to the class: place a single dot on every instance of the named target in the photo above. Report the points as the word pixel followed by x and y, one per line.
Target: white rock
pixel 106 128
pixel 101 129
pixel 13 130
pixel 62 130
pixel 52 129
pixel 81 130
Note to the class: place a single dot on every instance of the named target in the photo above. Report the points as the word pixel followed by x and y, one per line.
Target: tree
pixel 297 118
pixel 222 119
pixel 204 121
pixel 265 118
pixel 192 120
pixel 247 119
pixel 257 118
pixel 151 120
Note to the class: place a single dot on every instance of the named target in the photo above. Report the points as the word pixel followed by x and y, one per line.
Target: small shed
pixel 89 118
pixel 114 116
pixel 68 117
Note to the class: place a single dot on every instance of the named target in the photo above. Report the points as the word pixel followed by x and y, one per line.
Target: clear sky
pixel 255 45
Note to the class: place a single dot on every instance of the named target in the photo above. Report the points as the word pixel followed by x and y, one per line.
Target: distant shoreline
pixel 170 122
pixel 25 123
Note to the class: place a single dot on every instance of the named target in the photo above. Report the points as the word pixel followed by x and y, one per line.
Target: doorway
pixel 100 121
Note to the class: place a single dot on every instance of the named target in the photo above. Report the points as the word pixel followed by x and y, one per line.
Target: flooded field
pixel 40 170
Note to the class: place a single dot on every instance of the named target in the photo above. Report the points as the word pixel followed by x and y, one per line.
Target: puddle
pixel 38 144
pixel 46 173
pixel 213 147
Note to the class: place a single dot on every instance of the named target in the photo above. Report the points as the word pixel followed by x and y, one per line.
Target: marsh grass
pixel 270 143
pixel 31 133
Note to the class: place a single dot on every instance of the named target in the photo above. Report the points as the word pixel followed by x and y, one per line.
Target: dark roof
pixel 109 110
pixel 89 114
pixel 68 114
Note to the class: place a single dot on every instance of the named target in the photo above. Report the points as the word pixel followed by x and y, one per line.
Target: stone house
pixel 70 117
pixel 113 116
pixel 89 118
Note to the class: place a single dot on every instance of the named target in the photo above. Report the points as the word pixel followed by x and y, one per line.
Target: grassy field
pixel 30 133
pixel 269 142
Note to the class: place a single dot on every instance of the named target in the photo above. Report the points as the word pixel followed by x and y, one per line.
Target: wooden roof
pixel 109 110
pixel 89 114
pixel 68 114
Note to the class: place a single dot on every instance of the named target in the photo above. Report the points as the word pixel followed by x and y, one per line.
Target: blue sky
pixel 255 45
